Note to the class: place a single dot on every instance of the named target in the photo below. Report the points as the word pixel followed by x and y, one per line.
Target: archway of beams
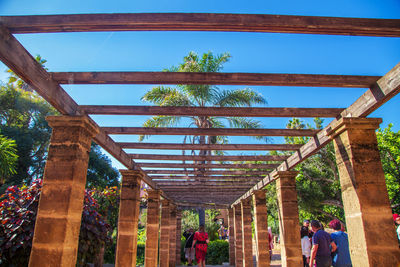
pixel 224 183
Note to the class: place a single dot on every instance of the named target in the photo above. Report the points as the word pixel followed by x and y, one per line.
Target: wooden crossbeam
pixel 248 79
pixel 212 166
pixel 202 22
pixel 15 56
pixel 223 177
pixel 386 87
pixel 208 158
pixel 251 147
pixel 212 111
pixel 214 183
pixel 209 131
pixel 207 172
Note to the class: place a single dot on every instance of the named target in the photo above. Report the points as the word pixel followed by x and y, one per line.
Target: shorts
pixel 189 253
pixel 323 261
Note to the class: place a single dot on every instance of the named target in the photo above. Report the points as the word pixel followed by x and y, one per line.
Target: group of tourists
pixel 322 248
pixel 196 245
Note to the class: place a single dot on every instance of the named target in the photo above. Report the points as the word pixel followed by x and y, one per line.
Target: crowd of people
pixel 319 248
pixel 322 249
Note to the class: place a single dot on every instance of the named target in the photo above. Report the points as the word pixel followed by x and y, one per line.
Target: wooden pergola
pixel 222 183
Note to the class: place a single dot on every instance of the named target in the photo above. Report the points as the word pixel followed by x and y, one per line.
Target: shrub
pixel 18 209
pixel 217 252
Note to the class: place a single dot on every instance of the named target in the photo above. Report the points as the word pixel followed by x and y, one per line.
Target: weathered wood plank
pixel 209 158
pixel 15 56
pixel 202 22
pixel 211 111
pixel 212 166
pixel 257 79
pixel 207 172
pixel 386 87
pixel 208 131
pixel 253 147
pixel 223 177
pixel 211 184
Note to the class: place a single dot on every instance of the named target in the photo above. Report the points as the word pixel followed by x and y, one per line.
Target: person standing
pixel 200 240
pixel 305 246
pixel 341 257
pixel 321 250
pixel 189 251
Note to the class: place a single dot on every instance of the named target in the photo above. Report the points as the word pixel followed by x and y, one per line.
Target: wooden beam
pixel 212 166
pixel 206 172
pixel 251 147
pixel 210 184
pixel 386 88
pixel 15 56
pixel 223 177
pixel 202 22
pixel 209 158
pixel 210 78
pixel 209 131
pixel 285 112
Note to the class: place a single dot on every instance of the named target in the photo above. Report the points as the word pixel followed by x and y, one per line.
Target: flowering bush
pixel 18 209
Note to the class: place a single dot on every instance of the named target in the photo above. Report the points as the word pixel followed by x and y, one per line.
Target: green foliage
pixel 217 252
pixel 140 254
pixel 22 118
pixel 389 147
pixel 100 172
pixel 211 225
pixel 190 219
pixel 8 157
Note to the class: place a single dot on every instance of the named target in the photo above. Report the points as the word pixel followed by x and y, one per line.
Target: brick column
pixel 58 222
pixel 231 223
pixel 128 219
pixel 152 228
pixel 261 228
pixel 366 204
pixel 178 236
pixel 246 232
pixel 289 215
pixel 172 237
pixel 165 233
pixel 238 236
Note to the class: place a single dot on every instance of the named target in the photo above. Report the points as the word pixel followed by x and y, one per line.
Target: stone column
pixel 58 222
pixel 261 228
pixel 172 237
pixel 178 236
pixel 369 221
pixel 289 214
pixel 231 222
pixel 238 236
pixel 152 228
pixel 128 218
pixel 165 233
pixel 246 233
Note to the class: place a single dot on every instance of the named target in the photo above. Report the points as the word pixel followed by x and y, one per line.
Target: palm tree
pixel 202 96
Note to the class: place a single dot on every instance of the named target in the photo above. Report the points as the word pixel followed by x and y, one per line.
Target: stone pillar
pixel 178 236
pixel 238 236
pixel 289 214
pixel 231 222
pixel 247 233
pixel 58 222
pixel 128 219
pixel 172 237
pixel 369 221
pixel 165 233
pixel 261 228
pixel 152 228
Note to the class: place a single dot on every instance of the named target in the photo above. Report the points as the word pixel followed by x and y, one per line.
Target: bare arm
pixel 313 254
pixel 334 247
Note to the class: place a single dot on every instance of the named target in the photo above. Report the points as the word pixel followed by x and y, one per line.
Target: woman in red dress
pixel 200 240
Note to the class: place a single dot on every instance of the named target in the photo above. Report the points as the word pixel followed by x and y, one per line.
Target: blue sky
pixel 251 52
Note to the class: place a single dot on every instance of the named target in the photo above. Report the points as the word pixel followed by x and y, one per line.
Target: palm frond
pixel 166 96
pixel 159 121
pixel 246 123
pixel 238 98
